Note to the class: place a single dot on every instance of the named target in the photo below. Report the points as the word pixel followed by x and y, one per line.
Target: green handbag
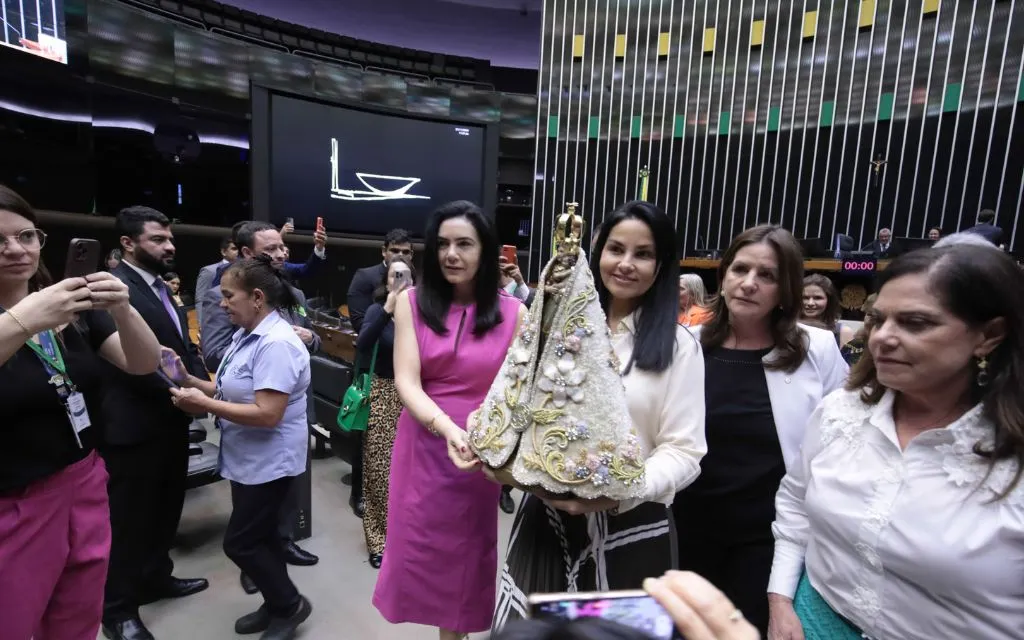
pixel 355 406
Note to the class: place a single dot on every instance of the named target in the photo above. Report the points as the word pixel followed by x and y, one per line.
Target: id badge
pixel 78 413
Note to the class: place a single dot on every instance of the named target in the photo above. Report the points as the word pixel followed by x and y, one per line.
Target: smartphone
pixel 402 279
pixel 319 224
pixel 509 253
pixel 83 258
pixel 634 609
pixel 290 221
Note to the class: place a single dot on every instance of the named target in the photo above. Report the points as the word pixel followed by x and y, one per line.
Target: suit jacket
pixel 217 329
pixel 360 292
pixel 990 232
pixel 138 408
pixel 893 250
pixel 203 283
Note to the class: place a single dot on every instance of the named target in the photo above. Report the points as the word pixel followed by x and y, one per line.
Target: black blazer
pixel 138 408
pixel 360 292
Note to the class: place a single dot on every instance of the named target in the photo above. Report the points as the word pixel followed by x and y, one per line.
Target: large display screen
pixel 35 26
pixel 366 172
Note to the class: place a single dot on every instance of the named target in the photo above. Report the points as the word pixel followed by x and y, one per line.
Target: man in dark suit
pixel 884 247
pixel 146 439
pixel 359 298
pixel 366 280
pixel 253 239
pixel 987 228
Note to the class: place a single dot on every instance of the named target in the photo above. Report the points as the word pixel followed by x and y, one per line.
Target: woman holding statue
pixel 601 544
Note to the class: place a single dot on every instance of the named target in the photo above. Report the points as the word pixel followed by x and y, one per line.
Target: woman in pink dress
pixel 451 335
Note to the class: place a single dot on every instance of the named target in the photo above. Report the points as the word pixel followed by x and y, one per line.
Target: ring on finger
pixel 735 616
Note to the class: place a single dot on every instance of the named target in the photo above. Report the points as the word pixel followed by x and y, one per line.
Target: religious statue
pixel 555 417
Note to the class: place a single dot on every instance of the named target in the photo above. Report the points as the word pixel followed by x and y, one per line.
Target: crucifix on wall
pixel 878 163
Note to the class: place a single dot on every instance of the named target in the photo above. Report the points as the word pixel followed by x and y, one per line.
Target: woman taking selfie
pixel 451 336
pixel 904 515
pixel 54 514
pixel 376 343
pixel 764 375
pixel 599 545
pixel 259 398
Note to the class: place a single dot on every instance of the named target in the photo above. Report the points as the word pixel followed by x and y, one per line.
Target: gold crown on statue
pixel 555 416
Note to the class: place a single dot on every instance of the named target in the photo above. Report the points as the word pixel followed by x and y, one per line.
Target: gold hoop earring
pixel 983 377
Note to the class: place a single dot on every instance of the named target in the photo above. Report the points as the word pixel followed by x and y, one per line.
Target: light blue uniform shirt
pixel 271 357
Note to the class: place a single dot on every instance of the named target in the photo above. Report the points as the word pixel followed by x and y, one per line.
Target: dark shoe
pixel 507 504
pixel 175 588
pixel 248 585
pixel 284 628
pixel 376 559
pixel 255 622
pixel 358 506
pixel 296 555
pixel 130 629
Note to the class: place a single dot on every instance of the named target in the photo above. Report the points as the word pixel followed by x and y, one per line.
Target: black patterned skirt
pixel 551 551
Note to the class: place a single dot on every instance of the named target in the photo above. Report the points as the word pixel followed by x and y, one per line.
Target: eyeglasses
pixel 27 238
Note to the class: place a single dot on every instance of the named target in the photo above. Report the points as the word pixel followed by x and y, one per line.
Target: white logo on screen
pixel 378 187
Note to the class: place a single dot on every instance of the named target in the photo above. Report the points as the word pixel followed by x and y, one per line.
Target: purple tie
pixel 168 305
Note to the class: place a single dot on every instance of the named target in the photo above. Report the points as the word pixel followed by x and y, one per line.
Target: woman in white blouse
pixel 904 517
pixel 764 375
pixel 599 545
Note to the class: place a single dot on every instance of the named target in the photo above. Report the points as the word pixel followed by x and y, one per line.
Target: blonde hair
pixel 695 286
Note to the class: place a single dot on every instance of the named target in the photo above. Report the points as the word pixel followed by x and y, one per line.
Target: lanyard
pixel 218 378
pixel 49 354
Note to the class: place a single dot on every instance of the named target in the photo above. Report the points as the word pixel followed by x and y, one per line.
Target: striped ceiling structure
pixel 826 117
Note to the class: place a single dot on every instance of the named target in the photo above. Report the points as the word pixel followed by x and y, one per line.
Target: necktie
pixel 161 291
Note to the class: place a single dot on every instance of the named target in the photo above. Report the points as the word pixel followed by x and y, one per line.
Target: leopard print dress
pixel 385 407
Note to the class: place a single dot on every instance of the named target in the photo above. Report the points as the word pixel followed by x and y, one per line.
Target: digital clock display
pixel 859 266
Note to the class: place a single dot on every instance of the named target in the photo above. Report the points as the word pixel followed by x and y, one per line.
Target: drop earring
pixel 983 377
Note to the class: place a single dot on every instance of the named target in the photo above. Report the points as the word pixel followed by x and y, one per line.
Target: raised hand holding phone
pixel 320 235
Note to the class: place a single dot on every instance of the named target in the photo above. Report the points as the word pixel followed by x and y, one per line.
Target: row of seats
pixel 318 43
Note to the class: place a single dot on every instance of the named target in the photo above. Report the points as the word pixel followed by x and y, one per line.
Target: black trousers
pixel 147 491
pixel 289 513
pixel 733 550
pixel 252 541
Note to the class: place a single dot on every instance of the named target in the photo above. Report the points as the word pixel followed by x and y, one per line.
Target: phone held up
pixel 320 225
pixel 509 253
pixel 401 280
pixel 83 258
pixel 634 609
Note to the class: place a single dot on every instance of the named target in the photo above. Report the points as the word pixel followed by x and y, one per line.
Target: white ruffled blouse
pixel 907 544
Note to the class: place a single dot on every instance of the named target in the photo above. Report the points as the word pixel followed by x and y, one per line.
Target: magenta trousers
pixel 54 548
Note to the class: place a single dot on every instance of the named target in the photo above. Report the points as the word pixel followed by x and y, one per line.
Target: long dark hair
pixel 380 294
pixel 790 344
pixel 656 323
pixel 11 201
pixel 434 293
pixel 259 273
pixel 830 316
pixel 975 284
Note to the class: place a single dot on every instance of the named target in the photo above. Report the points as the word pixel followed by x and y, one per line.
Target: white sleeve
pixel 791 528
pixel 680 443
pixel 833 367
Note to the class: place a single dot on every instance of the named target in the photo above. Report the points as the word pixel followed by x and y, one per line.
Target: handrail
pixel 310 54
pixel 253 39
pixel 177 17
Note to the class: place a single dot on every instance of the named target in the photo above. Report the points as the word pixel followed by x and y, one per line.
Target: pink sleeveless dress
pixel 441 555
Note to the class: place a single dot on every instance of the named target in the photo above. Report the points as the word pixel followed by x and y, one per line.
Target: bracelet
pixel 430 424
pixel 18 320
